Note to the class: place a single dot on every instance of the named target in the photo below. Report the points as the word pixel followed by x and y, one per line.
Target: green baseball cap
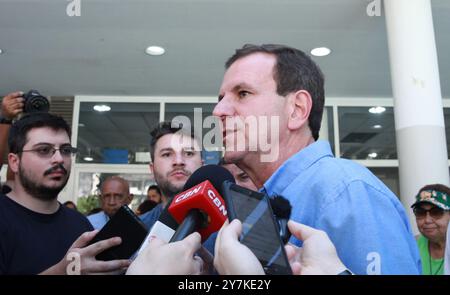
pixel 437 198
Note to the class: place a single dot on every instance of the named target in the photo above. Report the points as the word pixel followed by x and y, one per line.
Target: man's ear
pixel 150 166
pixel 14 162
pixel 299 108
pixel 130 198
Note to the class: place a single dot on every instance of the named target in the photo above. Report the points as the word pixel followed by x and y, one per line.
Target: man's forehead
pixel 47 135
pixel 257 66
pixel 176 141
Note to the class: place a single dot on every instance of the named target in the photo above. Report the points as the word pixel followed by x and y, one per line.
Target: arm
pixel 12 105
pixel 370 230
pixel 4 131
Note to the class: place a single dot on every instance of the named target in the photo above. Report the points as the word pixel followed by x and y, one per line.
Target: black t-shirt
pixel 5 189
pixel 31 242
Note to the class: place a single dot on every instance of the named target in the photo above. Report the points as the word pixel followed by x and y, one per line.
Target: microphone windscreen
pixel 281 207
pixel 214 173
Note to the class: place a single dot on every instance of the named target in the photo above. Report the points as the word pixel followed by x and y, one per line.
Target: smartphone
pixel 126 225
pixel 260 232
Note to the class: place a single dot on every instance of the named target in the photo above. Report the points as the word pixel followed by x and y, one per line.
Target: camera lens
pixel 35 102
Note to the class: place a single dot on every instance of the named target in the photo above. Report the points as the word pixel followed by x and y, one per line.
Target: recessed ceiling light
pixel 102 108
pixel 373 155
pixel 1 51
pixel 88 159
pixel 377 110
pixel 155 50
pixel 377 126
pixel 321 51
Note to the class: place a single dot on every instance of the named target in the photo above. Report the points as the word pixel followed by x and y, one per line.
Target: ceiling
pixel 101 52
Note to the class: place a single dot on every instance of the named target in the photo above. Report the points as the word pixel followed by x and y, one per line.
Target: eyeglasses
pixel 435 212
pixel 47 151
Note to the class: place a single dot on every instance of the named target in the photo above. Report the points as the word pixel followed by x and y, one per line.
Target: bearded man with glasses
pixel 432 216
pixel 38 234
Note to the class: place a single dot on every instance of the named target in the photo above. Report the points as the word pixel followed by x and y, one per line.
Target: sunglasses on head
pixel 435 212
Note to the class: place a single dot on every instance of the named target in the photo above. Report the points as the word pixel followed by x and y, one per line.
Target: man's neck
pixel 164 200
pixel 20 196
pixel 260 171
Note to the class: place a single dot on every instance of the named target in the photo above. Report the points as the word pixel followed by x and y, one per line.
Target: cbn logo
pixel 216 201
pixel 188 194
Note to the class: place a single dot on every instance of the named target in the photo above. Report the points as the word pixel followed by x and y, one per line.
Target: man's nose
pixel 223 108
pixel 179 159
pixel 57 157
pixel 112 200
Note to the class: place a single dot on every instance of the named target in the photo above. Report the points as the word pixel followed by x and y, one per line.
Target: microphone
pixel 166 226
pixel 201 208
pixel 282 210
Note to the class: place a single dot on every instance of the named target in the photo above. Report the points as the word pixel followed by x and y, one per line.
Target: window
pixel 364 135
pixel 118 136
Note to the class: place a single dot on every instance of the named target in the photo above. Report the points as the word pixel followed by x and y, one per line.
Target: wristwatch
pixel 5 121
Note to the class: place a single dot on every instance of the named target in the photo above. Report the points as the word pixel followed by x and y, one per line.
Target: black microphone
pixel 282 210
pixel 201 207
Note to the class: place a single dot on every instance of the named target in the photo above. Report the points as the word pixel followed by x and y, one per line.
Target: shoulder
pixel 95 216
pixel 74 216
pixel 151 216
pixel 334 177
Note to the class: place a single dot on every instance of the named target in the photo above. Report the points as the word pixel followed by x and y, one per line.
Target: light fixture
pixel 1 51
pixel 377 126
pixel 102 108
pixel 88 159
pixel 372 155
pixel 377 110
pixel 321 51
pixel 155 50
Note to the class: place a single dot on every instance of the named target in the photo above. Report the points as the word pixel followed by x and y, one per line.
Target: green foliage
pixel 85 204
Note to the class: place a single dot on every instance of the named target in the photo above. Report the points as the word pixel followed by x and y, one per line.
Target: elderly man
pixel 114 193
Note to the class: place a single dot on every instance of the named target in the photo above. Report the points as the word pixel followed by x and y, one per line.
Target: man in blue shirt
pixel 277 93
pixel 114 193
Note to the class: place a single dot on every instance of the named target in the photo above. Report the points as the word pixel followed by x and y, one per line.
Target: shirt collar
pixel 295 165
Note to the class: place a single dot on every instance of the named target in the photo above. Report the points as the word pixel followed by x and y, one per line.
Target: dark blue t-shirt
pixel 32 242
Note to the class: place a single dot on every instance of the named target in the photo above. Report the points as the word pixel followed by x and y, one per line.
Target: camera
pixel 35 102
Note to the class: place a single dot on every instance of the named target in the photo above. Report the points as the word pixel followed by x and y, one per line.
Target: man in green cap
pixel 432 216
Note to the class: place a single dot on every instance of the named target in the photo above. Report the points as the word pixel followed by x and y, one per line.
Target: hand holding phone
pixel 126 225
pixel 260 231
